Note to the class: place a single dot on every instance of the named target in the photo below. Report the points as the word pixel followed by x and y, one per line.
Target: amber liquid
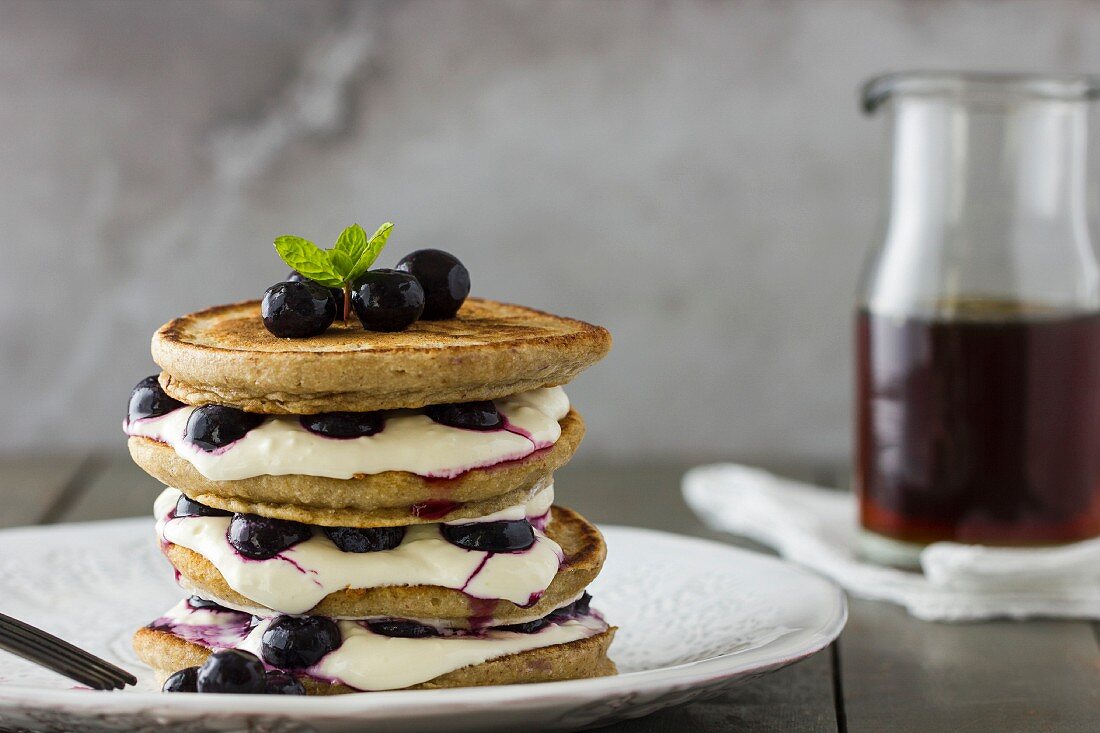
pixel 984 428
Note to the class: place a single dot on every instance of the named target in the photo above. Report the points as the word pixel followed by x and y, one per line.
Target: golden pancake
pixel 391 498
pixel 225 355
pixel 581 542
pixel 167 654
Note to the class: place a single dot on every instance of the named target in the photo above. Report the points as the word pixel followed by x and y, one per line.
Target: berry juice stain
pixel 297 566
pixel 477 570
pixel 983 429
pixel 481 612
pixel 229 630
pixel 540 522
pixel 434 508
pixel 509 426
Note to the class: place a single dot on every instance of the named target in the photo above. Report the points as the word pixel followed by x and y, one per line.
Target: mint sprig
pixel 350 257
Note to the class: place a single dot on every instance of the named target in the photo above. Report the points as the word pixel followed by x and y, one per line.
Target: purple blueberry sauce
pixel 514 429
pixel 540 522
pixel 434 508
pixel 478 569
pixel 230 628
pixel 481 611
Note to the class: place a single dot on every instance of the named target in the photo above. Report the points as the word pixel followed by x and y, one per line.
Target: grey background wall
pixel 694 175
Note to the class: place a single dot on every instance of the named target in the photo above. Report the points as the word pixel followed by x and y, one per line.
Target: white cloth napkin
pixel 817 528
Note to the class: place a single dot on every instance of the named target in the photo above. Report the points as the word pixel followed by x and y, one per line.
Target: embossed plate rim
pixel 632 688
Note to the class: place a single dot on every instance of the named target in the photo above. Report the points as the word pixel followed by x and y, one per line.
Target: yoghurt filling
pixel 369 661
pixel 409 441
pixel 296 579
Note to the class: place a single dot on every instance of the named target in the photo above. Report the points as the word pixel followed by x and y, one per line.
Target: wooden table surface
pixel 888 672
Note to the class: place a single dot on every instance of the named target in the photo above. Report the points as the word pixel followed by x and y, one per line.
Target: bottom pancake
pixel 570 646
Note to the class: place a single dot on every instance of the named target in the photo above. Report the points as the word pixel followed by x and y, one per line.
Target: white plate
pixel 693 616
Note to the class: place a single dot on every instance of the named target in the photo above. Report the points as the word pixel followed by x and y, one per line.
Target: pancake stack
pixel 372 511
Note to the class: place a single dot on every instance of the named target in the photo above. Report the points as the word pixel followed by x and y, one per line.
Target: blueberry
pixel 196 603
pixel 214 426
pixel 148 399
pixel 297 642
pixel 337 293
pixel 387 300
pixel 261 538
pixel 581 606
pixel 529 627
pixel 231 671
pixel 365 539
pixel 343 424
pixel 482 415
pixel 504 536
pixel 281 683
pixel 402 628
pixel 186 680
pixel 445 280
pixel 298 309
pixel 186 507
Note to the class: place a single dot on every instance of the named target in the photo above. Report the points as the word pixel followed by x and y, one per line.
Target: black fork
pixel 35 645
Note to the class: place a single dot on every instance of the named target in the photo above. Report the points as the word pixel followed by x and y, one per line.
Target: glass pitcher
pixel 978 319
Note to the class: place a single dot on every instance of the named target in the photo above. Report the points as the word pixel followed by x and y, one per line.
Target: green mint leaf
pixel 353 242
pixel 374 247
pixel 341 262
pixel 378 239
pixel 307 258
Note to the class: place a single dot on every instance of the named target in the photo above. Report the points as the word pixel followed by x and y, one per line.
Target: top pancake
pixel 225 355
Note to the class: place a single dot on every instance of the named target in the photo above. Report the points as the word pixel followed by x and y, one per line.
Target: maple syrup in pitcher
pixel 984 428
pixel 978 322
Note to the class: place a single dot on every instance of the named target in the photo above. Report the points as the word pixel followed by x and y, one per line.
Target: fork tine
pixel 112 672
pixel 30 640
pixel 33 644
pixel 46 659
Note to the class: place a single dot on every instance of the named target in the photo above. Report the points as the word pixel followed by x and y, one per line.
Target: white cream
pixel 369 661
pixel 409 442
pixel 296 579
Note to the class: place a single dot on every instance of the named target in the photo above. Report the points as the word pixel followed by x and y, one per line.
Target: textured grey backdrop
pixel 694 175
